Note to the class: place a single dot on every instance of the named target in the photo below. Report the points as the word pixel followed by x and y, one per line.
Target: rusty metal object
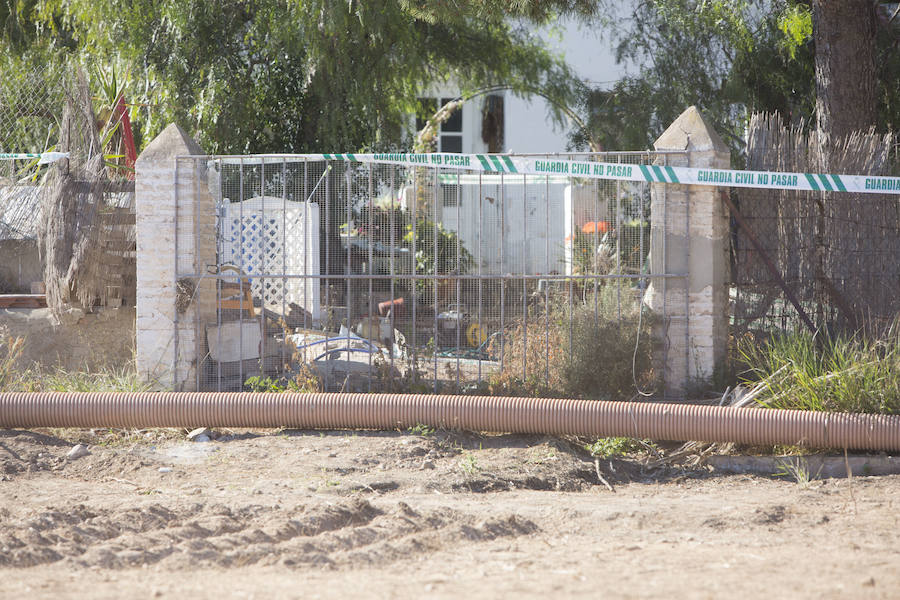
pixel 660 421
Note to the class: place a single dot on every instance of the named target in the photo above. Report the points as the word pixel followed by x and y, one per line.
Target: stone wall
pixel 20 266
pixel 103 339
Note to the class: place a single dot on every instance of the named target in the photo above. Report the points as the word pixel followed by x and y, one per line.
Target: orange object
pixel 127 135
pixel 595 226
pixel 395 306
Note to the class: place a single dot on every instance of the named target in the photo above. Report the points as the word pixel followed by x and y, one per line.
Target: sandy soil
pixel 293 514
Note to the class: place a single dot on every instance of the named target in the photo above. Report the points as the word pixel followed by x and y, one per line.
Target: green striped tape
pixel 645 173
pixel 43 157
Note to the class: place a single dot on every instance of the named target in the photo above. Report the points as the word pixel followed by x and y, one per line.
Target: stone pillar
pixel 176 221
pixel 689 234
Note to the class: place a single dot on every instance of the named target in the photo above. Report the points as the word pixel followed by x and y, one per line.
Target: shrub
pixel 600 363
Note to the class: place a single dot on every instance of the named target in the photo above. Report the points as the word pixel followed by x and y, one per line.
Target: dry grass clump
pixel 10 351
pixel 588 351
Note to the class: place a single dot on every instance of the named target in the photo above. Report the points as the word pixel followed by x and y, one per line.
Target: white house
pixel 540 214
pixel 525 125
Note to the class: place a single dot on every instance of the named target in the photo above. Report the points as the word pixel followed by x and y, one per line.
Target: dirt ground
pixel 301 514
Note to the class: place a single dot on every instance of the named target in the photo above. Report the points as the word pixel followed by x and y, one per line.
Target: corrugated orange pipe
pixel 658 421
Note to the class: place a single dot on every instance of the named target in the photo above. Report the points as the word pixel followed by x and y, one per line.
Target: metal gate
pixel 340 275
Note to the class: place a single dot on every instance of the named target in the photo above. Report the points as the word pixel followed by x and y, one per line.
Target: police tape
pixel 43 157
pixel 518 165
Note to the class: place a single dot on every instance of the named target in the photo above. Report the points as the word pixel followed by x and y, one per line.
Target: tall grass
pixel 42 379
pixel 843 374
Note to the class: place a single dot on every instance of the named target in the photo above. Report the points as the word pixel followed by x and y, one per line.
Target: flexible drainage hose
pixel 658 421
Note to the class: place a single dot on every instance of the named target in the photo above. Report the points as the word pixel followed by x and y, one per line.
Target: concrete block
pixel 234 341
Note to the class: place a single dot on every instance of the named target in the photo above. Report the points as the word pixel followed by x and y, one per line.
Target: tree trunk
pixel 844 32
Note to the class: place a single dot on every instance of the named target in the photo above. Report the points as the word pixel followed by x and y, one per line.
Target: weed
pixel 613 446
pixel 10 351
pixel 420 429
pixel 543 455
pixel 42 379
pixel 469 464
pixel 264 384
pixel 798 470
pixel 587 351
pixel 304 380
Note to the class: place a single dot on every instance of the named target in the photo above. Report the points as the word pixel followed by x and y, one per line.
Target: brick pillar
pixel 689 234
pixel 175 219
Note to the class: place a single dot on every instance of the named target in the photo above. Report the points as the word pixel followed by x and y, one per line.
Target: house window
pixel 450 137
pixel 492 123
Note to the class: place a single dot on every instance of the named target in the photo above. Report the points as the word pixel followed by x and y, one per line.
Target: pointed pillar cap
pixel 171 142
pixel 691 132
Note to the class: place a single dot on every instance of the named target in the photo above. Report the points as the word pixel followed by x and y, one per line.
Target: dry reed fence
pixel 838 252
pixel 86 232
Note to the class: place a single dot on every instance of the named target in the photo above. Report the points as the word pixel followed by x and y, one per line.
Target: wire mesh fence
pixel 376 277
pixel 67 226
pixel 837 253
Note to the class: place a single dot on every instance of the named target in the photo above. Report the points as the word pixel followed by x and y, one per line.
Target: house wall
pixel 527 124
pixel 591 56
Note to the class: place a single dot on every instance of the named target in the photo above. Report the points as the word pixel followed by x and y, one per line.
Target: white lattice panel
pixel 275 242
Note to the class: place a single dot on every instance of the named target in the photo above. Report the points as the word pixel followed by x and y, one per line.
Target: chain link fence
pixel 31 103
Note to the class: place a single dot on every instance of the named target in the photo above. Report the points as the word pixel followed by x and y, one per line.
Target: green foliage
pixel 438 251
pixel 845 374
pixel 798 470
pixel 796 25
pixel 264 384
pixel 684 50
pixel 422 430
pixel 728 57
pixel 285 75
pixel 303 381
pixel 38 379
pixel 468 464
pixel 613 446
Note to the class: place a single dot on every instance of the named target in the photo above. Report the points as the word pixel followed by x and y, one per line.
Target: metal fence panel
pixel 368 277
